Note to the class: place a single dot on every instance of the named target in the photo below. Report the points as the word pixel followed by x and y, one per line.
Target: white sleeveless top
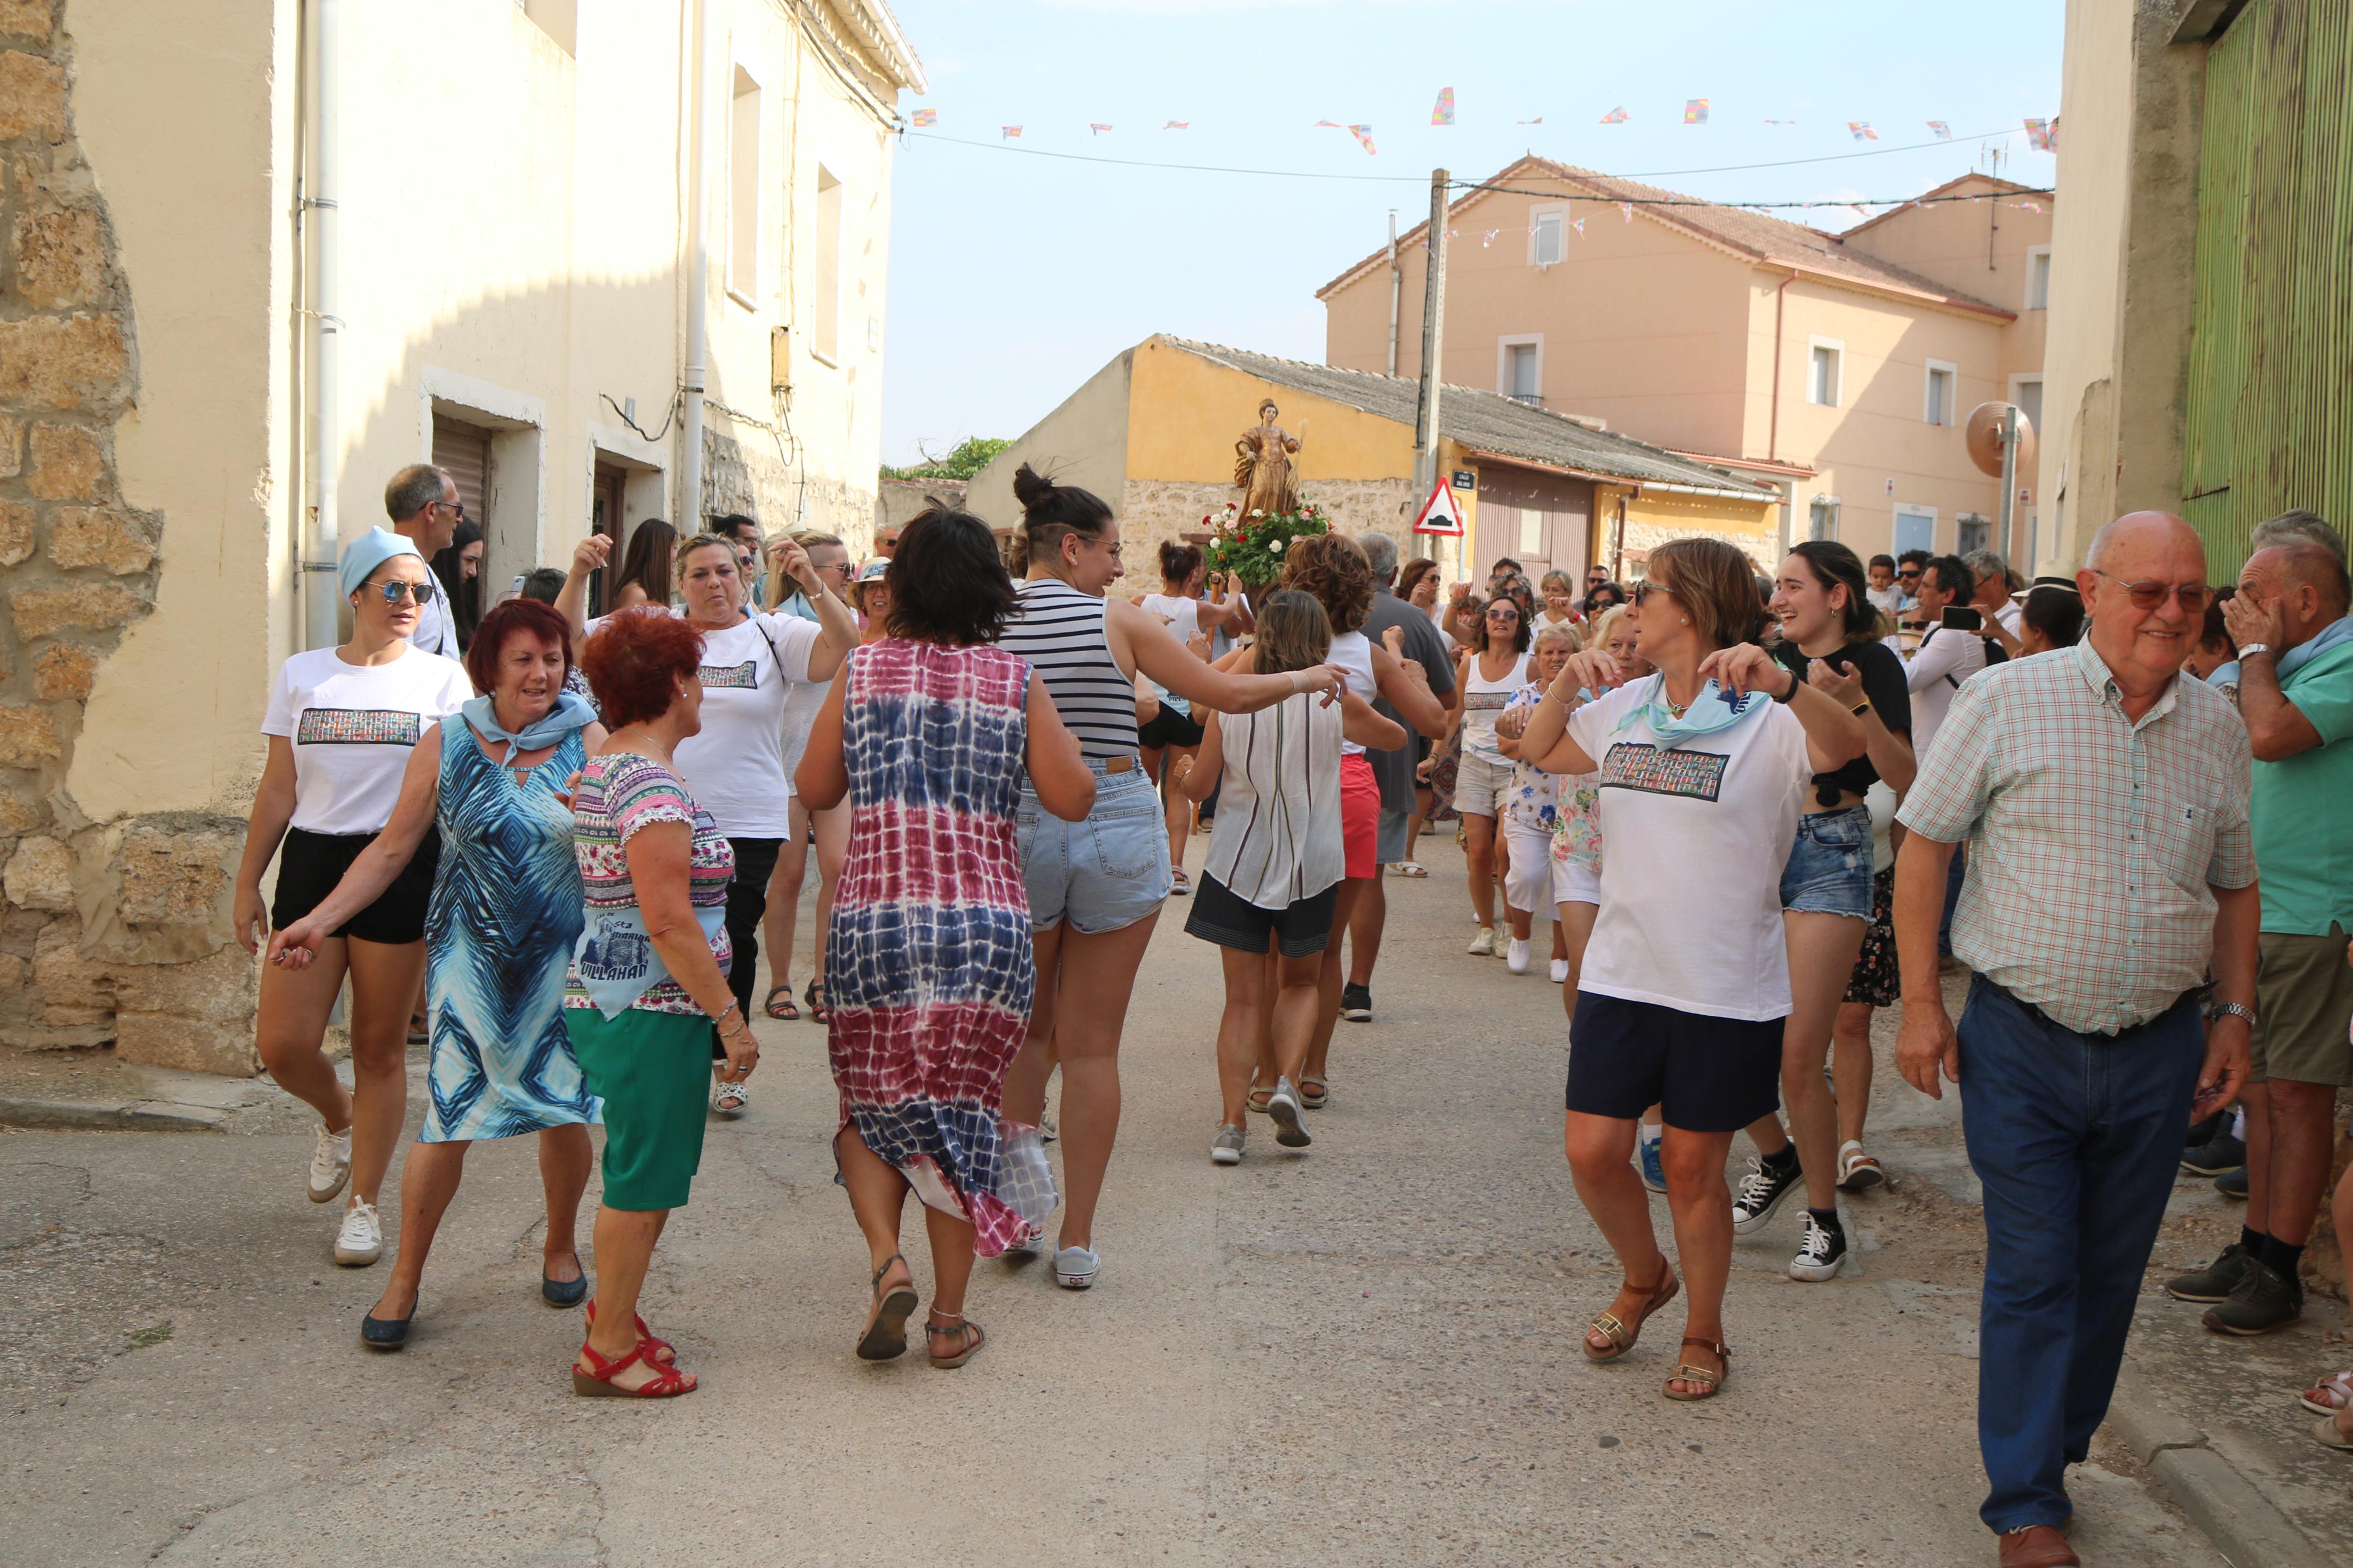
pixel 1183 617
pixel 1482 700
pixel 1277 839
pixel 1354 654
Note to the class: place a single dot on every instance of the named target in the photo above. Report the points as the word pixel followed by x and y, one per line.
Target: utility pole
pixel 1396 283
pixel 2009 483
pixel 1433 332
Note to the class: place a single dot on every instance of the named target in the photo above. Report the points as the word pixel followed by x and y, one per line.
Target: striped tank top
pixel 1061 632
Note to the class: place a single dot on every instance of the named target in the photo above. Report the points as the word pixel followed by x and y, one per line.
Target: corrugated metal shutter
pixel 2268 422
pixel 465 451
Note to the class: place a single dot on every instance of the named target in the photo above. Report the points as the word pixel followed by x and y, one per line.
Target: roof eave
pixel 883 35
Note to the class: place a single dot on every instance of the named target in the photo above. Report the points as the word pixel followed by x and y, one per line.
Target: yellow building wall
pixel 1187 413
pixel 1653 517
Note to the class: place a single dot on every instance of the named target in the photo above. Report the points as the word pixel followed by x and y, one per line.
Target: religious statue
pixel 1263 470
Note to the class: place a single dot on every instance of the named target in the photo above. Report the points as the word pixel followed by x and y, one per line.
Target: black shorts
pixel 1707 1074
pixel 310 864
pixel 1220 916
pixel 1169 728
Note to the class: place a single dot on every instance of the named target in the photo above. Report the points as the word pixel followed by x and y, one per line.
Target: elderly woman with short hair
pixel 648 982
pixel 501 927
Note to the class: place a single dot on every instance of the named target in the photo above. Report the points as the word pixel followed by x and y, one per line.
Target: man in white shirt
pixel 422 501
pixel 1945 657
pixel 1992 599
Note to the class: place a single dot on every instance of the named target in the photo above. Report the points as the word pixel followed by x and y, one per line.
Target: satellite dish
pixel 1982 436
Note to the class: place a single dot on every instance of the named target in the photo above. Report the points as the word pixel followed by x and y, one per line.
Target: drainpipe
pixel 319 601
pixel 1772 435
pixel 1397 282
pixel 688 519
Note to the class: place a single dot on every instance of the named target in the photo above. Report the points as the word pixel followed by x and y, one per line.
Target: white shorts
pixel 1533 872
pixel 1480 786
pixel 1576 884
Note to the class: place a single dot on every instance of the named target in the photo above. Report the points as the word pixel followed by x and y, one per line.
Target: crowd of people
pixel 2118 798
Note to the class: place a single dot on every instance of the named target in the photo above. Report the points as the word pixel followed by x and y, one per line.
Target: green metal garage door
pixel 2269 415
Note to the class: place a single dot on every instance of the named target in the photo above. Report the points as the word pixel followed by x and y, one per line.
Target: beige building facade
pixel 1837 367
pixel 512 292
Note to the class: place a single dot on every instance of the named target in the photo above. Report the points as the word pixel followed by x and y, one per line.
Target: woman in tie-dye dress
pixel 928 735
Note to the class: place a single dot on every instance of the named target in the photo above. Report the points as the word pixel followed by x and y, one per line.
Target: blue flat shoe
pixel 563 1292
pixel 384 1333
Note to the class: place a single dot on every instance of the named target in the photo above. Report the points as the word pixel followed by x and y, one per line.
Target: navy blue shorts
pixel 1708 1075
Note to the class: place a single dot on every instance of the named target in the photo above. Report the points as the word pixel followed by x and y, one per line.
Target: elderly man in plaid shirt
pixel 2110 871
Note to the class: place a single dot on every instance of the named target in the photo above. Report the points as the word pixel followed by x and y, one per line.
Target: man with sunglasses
pixel 2295 643
pixel 1910 567
pixel 422 501
pixel 2111 872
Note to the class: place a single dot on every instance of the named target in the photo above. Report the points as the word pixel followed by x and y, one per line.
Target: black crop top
pixel 1890 694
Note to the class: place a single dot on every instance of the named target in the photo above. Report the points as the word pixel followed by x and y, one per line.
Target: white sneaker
pixel 1225 1148
pixel 361 1241
pixel 1283 1109
pixel 1560 972
pixel 1483 944
pixel 1075 1267
pixel 1516 956
pixel 331 1163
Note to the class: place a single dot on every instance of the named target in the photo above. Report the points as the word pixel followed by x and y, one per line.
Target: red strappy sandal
pixel 596 1381
pixel 660 1351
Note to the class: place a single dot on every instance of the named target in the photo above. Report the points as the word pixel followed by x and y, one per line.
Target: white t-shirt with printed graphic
pixel 735 765
pixel 353 727
pixel 1712 820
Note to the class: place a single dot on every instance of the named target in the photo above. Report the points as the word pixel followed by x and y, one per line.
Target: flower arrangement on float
pixel 1251 549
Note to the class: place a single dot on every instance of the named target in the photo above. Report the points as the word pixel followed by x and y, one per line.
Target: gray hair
pixel 413 490
pixel 2298 527
pixel 1381 554
pixel 1988 564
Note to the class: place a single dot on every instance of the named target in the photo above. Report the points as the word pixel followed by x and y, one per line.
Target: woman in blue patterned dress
pixel 928 973
pixel 505 913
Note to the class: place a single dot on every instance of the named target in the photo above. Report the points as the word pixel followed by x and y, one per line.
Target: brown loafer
pixel 2037 1546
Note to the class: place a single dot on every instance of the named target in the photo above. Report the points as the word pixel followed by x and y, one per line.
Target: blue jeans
pixel 2075 1139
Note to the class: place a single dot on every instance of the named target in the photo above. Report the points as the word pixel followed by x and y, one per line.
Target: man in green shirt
pixel 2295 643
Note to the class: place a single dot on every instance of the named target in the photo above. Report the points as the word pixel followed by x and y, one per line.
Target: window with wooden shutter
pixel 464 451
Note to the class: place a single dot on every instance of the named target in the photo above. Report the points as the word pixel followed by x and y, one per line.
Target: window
pixel 1936 403
pixel 1824 372
pixel 1519 368
pixel 1915 529
pixel 743 191
pixel 1545 240
pixel 1822 518
pixel 1531 535
pixel 825 326
pixel 2027 393
pixel 1974 528
pixel 2038 277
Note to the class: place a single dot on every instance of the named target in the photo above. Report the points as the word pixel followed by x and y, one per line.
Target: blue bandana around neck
pixel 1715 709
pixel 571 712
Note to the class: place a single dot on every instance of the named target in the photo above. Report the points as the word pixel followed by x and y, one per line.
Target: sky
pixel 1016 276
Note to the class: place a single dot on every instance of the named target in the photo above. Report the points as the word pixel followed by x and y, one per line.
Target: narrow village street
pixel 1365 1355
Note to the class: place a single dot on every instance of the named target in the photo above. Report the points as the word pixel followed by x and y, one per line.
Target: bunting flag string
pixel 1626 211
pixel 1537 120
pixel 1772 122
pixel 1443 114
pixel 1577 224
pixel 1944 132
pixel 925 117
pixel 2043 134
pixel 1364 135
pixel 1488 238
pixel 1696 111
pixel 1096 128
pixel 1324 124
pixel 1178 125
pixel 1009 132
pixel 1614 116
pixel 1861 131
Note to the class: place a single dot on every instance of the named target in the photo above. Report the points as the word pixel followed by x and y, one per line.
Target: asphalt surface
pixel 1364 1354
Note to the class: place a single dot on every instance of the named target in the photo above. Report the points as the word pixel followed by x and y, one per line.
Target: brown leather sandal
pixel 967 1335
pixel 1708 1381
pixel 885 1338
pixel 1622 1335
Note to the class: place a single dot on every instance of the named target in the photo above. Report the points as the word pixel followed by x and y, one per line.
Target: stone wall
pixel 1154 511
pixel 110 931
pixel 750 475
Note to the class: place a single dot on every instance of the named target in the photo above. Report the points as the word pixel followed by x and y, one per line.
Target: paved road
pixel 1364 1355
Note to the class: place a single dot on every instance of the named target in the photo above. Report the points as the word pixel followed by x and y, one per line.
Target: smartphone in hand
pixel 1962 619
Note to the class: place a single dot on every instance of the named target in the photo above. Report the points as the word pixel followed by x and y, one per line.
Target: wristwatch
pixel 1862 708
pixel 2236 1009
pixel 2255 647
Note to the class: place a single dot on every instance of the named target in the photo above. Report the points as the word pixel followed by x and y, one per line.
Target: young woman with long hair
pixel 1174 731
pixel 1095 887
pixel 460 569
pixel 1701 766
pixel 1271 883
pixel 1486 676
pixel 646 566
pixel 1830 638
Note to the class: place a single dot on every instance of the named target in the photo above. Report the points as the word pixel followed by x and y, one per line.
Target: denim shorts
pixel 1101 874
pixel 1829 872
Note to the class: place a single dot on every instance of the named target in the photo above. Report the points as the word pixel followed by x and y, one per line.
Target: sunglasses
pixel 2194 596
pixel 393 592
pixel 1645 588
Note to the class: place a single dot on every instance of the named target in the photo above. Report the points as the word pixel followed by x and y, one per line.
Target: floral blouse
pixel 1575 820
pixel 618 793
pixel 1529 800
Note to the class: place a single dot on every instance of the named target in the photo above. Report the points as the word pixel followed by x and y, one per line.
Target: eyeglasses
pixel 2194 596
pixel 395 591
pixel 1909 573
pixel 457 505
pixel 1645 588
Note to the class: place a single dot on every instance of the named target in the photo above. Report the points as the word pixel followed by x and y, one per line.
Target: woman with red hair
pixel 499 930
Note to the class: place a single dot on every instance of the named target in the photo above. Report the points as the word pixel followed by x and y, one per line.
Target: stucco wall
pixel 1083 442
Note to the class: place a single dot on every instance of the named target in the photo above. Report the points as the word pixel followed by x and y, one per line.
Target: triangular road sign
pixel 1442 513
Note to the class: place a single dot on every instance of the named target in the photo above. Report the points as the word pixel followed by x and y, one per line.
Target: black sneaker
pixel 1762 1191
pixel 2219 1154
pixel 2265 1299
pixel 1820 1254
pixel 2216 1281
pixel 2233 1183
pixel 1357 1003
pixel 2202 1131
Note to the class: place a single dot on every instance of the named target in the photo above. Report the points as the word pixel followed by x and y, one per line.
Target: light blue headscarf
pixel 369 551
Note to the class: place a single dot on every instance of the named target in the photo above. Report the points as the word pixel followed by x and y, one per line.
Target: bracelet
pixel 1862 708
pixel 2253 649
